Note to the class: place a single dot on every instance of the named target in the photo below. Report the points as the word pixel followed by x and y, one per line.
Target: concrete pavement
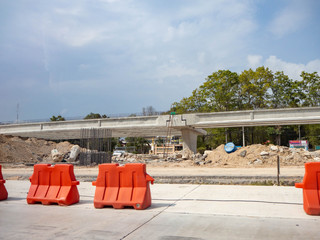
pixel 177 212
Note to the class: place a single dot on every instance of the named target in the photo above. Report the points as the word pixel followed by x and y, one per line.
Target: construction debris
pixel 31 151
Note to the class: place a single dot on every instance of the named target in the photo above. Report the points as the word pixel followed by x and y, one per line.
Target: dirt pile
pixel 30 150
pixel 258 155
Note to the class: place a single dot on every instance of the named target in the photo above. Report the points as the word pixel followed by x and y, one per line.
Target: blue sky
pixel 117 56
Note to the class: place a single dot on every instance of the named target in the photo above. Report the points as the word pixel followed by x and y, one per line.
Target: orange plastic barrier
pixel 121 186
pixel 3 190
pixel 311 188
pixel 53 184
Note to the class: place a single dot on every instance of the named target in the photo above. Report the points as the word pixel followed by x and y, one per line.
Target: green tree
pixel 220 92
pixel 285 92
pixel 310 86
pixel 313 134
pixel 141 144
pixel 255 86
pixel 58 118
pixel 95 116
pixel 253 89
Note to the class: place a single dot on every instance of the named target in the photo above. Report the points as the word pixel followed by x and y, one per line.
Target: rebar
pixel 95 146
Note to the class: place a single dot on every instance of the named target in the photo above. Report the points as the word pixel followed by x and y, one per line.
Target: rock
pixel 243 153
pixel 74 152
pixel 208 162
pixel 273 148
pixel 281 150
pixel 56 155
pixel 315 154
pixel 207 152
pixel 316 159
pixel 186 154
pixel 289 157
pixel 257 162
pixel 131 159
pixel 294 150
pixel 307 154
pixel 264 153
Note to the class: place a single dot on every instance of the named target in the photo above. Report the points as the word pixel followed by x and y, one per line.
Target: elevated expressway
pixel 189 126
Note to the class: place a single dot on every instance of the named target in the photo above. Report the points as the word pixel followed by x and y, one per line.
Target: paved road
pixel 177 212
pixel 188 175
pixel 177 171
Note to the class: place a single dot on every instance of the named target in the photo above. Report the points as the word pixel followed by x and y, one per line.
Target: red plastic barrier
pixel 311 188
pixel 53 184
pixel 121 186
pixel 3 190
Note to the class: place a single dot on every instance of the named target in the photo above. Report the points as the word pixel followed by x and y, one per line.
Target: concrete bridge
pixel 189 126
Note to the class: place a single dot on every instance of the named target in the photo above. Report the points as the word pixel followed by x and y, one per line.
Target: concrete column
pixel 243 138
pixel 189 138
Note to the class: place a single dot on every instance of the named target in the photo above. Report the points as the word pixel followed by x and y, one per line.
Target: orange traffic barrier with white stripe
pixel 122 186
pixel 53 184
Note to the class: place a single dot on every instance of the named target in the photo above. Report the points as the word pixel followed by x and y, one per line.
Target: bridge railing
pixel 116 115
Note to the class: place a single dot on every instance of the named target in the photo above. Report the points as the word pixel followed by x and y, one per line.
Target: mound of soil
pixel 260 155
pixel 18 150
pixel 29 150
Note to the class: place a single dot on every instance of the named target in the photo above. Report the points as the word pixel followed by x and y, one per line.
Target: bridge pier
pixel 189 137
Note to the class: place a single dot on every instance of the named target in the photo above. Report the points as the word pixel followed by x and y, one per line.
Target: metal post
pixel 278 168
pixel 299 134
pixel 243 137
pixel 226 135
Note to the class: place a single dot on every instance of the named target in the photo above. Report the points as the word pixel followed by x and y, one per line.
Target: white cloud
pixel 175 70
pixel 254 61
pixel 293 70
pixel 69 11
pixel 94 46
pixel 291 18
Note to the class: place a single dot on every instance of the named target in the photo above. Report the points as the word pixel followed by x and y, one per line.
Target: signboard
pixel 298 144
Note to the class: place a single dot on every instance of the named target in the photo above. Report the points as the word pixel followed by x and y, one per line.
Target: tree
pixel 141 144
pixel 313 134
pixel 310 86
pixel 220 92
pixel 148 111
pixel 285 92
pixel 95 116
pixel 255 86
pixel 253 89
pixel 58 118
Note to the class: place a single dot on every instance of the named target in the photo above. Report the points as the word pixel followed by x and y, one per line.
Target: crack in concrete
pixel 153 217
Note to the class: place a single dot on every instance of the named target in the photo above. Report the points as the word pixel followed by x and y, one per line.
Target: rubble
pixel 74 153
pixel 56 155
pixel 31 151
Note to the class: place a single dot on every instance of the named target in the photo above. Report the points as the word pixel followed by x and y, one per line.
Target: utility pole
pixel 17 112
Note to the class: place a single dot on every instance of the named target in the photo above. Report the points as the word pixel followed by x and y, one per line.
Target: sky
pixel 113 57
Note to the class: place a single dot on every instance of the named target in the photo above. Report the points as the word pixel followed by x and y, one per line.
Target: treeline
pixel 254 89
